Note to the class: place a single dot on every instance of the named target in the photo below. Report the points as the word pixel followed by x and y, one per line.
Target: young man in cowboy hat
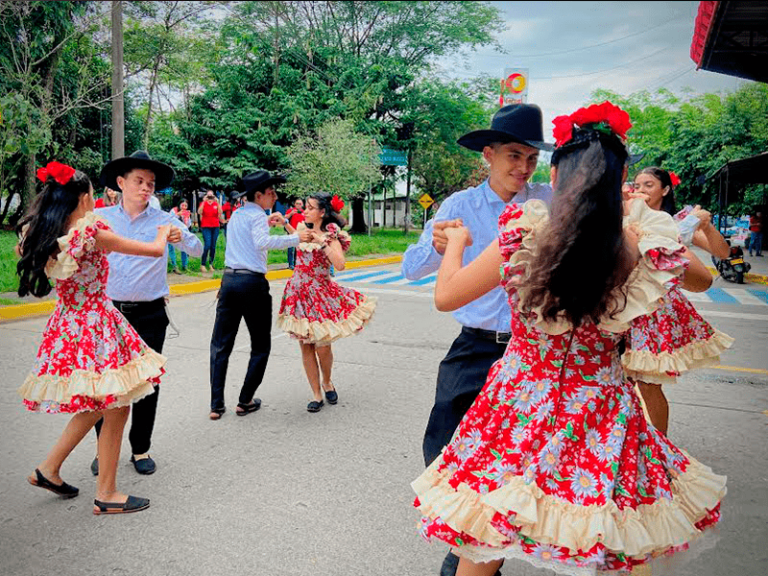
pixel 138 286
pixel 244 289
pixel 511 149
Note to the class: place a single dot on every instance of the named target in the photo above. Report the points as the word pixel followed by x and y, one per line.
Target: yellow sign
pixel 426 201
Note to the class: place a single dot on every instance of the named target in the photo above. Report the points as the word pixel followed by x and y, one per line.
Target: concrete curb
pixel 19 311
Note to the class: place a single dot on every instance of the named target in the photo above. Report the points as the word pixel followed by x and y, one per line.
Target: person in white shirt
pixel 244 289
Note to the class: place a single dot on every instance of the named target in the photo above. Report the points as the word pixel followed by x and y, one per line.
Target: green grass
pixel 387 241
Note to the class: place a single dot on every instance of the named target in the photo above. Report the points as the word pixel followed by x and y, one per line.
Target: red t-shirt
pixel 227 209
pixel 99 203
pixel 756 224
pixel 294 217
pixel 210 218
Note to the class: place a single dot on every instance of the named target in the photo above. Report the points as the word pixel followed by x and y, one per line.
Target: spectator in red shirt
pixel 227 210
pixel 756 227
pixel 211 217
pixel 295 214
pixel 109 198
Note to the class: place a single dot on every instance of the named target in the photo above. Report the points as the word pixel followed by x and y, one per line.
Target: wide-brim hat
pixel 140 159
pixel 260 180
pixel 633 159
pixel 521 123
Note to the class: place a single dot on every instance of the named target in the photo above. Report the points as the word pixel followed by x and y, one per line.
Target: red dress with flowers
pixel 90 357
pixel 314 308
pixel 554 463
pixel 674 339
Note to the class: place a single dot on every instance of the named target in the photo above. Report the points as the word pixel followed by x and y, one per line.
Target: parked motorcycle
pixel 734 267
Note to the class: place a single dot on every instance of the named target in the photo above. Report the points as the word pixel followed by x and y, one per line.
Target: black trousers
pixel 151 323
pixel 461 376
pixel 242 296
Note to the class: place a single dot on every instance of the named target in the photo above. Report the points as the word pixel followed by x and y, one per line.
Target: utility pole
pixel 118 104
pixel 407 226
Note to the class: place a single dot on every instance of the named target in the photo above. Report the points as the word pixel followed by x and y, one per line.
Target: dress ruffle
pixel 657 368
pixel 333 232
pixel 328 331
pixel 648 529
pixel 122 386
pixel 79 240
pixel 661 261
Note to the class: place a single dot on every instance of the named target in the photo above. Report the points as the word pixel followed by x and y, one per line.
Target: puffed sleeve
pixel 333 232
pixel 80 240
pixel 517 226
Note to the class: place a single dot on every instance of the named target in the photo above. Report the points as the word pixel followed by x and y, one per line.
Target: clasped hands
pixel 277 219
pixel 446 230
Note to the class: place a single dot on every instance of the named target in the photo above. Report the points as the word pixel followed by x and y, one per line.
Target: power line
pixel 651 55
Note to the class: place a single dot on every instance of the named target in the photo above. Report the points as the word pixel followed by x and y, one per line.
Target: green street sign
pixel 391 157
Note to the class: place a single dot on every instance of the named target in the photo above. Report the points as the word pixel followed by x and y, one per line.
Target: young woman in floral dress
pixel 316 310
pixel 91 363
pixel 675 338
pixel 554 463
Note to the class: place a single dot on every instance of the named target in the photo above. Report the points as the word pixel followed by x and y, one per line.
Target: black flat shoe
pixel 332 396
pixel 64 490
pixel 133 504
pixel 95 466
pixel 243 409
pixel 315 406
pixel 144 465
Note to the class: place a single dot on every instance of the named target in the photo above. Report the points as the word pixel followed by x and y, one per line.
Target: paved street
pixel 285 492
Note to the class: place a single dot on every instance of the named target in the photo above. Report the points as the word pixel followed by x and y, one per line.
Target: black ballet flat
pixel 315 406
pixel 331 396
pixel 64 490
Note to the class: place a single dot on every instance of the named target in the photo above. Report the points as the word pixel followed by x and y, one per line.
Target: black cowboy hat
pixel 260 181
pixel 633 159
pixel 520 123
pixel 140 159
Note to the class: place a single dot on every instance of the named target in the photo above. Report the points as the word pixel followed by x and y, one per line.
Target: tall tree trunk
pixel 118 102
pixel 358 216
pixel 29 176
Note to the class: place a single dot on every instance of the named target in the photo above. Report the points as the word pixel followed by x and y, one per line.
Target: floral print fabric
pixel 90 358
pixel 554 463
pixel 315 309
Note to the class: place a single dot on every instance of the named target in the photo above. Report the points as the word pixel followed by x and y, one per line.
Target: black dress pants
pixel 461 376
pixel 243 295
pixel 151 322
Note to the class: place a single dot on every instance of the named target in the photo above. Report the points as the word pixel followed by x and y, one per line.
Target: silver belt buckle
pixel 502 337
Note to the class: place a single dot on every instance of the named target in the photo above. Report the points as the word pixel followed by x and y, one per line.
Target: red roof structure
pixel 732 38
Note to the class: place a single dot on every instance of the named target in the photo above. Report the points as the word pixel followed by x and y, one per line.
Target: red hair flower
pixel 674 178
pixel 56 170
pixel 604 117
pixel 337 203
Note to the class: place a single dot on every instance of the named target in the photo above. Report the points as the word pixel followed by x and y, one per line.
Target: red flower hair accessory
pixel 674 178
pixel 337 203
pixel 56 170
pixel 605 117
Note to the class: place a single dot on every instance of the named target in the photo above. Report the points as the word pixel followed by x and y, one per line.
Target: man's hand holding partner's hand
pixel 439 238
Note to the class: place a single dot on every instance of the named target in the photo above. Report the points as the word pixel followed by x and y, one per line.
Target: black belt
pixel 242 271
pixel 498 337
pixel 139 307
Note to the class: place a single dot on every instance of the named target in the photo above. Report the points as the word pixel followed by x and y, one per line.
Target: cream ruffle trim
pixel 642 363
pixel 550 520
pixel 128 383
pixel 64 265
pixel 329 331
pixel 312 246
pixel 646 284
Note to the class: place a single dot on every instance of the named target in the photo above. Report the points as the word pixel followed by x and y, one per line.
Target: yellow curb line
pixel 739 369
pixel 18 311
pixel 756 278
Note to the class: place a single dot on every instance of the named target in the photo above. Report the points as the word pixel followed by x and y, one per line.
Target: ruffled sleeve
pixel 517 226
pixel 80 239
pixel 659 269
pixel 333 232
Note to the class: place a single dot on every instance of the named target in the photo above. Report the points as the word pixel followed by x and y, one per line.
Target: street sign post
pixel 392 157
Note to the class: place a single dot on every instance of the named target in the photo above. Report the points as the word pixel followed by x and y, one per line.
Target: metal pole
pixel 370 209
pixel 407 226
pixel 118 105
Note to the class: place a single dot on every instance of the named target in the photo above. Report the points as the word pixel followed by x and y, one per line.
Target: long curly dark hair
pixel 331 216
pixel 581 257
pixel 668 202
pixel 45 221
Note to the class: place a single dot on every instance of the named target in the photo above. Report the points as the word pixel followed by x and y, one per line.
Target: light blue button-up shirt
pixel 142 278
pixel 480 209
pixel 248 239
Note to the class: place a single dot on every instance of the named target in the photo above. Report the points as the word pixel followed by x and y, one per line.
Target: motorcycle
pixel 734 267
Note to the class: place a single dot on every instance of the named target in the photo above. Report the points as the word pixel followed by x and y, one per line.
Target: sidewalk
pixel 180 285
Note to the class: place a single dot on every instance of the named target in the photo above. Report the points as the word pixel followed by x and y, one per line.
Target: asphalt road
pixel 286 492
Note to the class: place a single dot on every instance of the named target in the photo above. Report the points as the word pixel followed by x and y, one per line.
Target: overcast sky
pixel 573 48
